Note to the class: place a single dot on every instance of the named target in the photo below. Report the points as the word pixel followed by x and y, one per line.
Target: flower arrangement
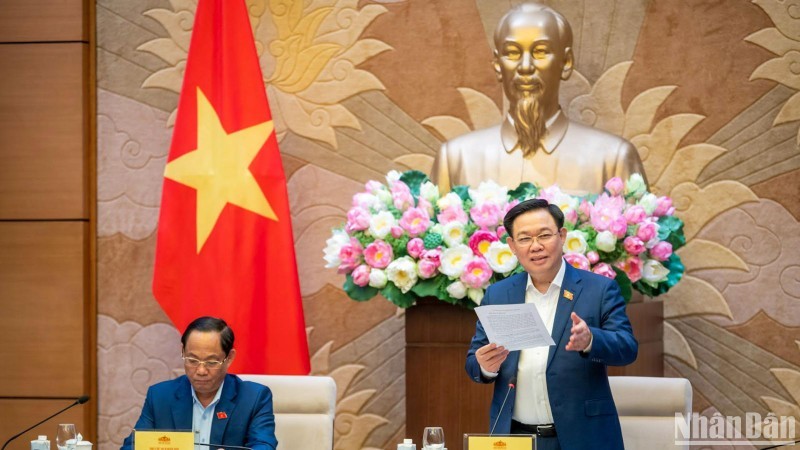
pixel 405 241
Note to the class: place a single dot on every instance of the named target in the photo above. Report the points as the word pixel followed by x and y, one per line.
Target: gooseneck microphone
pixel 511 386
pixel 81 400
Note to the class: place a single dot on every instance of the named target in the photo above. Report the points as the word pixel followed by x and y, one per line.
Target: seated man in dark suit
pixel 219 408
pixel 562 392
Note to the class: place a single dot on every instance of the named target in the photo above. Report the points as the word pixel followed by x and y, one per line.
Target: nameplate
pixel 499 442
pixel 163 440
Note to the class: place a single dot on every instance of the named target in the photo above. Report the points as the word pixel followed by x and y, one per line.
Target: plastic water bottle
pixel 40 444
pixel 407 445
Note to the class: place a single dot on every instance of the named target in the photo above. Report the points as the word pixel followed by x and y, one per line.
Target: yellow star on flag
pixel 219 169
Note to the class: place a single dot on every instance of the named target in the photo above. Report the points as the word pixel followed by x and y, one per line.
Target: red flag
pixel 225 245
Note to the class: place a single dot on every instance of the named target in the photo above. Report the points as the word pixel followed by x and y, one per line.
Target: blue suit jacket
pixel 248 420
pixel 584 413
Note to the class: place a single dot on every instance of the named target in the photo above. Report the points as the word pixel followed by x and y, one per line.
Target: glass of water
pixel 433 438
pixel 66 437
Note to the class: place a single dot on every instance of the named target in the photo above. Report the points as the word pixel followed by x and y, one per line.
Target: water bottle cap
pixel 42 438
pixel 407 441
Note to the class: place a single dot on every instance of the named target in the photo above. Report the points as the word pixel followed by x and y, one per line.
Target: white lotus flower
pixel 489 191
pixel 377 278
pixel 457 290
pixel 476 295
pixel 454 260
pixel 575 242
pixel 606 241
pixel 654 272
pixel 429 192
pixel 403 273
pixel 453 233
pixel 333 247
pixel 500 257
pixel 381 224
pixel 449 200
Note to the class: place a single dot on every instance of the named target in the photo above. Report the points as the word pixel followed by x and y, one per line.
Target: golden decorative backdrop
pixel 706 90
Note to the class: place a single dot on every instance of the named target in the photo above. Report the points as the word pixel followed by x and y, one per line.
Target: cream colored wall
pixel 702 88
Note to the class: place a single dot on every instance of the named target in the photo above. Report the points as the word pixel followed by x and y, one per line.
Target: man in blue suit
pixel 561 393
pixel 219 408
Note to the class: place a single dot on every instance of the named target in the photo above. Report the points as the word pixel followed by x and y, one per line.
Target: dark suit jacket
pixel 247 405
pixel 584 413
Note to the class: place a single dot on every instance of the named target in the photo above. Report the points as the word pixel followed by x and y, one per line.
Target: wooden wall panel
pixel 43 131
pixel 43 292
pixel 20 414
pixel 43 20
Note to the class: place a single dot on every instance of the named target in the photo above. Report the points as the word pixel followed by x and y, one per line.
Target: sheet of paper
pixel 515 326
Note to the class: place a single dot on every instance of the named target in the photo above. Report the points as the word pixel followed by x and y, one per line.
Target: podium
pixel 438 390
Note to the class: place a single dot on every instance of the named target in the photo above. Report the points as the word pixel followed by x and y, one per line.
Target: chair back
pixel 304 408
pixel 647 407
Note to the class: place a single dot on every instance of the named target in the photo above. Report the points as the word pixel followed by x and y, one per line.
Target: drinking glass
pixel 66 437
pixel 433 438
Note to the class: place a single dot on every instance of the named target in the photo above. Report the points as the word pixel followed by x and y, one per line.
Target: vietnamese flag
pixel 225 245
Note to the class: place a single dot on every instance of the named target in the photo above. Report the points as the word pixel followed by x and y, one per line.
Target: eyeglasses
pixel 194 363
pixel 542 239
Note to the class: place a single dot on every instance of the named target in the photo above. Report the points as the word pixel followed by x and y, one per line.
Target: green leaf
pixel 396 296
pixel 670 229
pixel 524 191
pixel 463 192
pixel 624 283
pixel 428 288
pixel 676 269
pixel 357 292
pixel 414 179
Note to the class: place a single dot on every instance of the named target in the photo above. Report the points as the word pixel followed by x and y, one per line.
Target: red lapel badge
pixel 222 415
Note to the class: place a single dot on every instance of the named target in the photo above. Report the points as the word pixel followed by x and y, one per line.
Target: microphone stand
pixel 79 401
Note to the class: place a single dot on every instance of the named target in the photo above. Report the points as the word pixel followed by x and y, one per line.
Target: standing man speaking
pixel 562 393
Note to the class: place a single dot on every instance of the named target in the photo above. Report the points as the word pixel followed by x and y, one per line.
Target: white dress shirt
pixel 202 419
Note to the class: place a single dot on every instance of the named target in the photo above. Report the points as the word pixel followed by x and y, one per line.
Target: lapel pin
pixel 568 295
pixel 222 415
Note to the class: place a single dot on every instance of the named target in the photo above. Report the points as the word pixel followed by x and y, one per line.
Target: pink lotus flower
pixel 480 241
pixel 661 251
pixel 415 247
pixel 605 270
pixel 635 214
pixel 374 186
pixel 602 218
pixel 350 256
pixel 632 268
pixel 379 254
pixel 486 215
pixel 593 257
pixel 434 255
pixel 361 275
pixel 357 219
pixel 647 231
pixel 365 200
pixel 501 230
pixel 427 268
pixel 452 214
pixel 425 205
pixel 571 216
pixel 613 202
pixel 619 227
pixel 585 210
pixel 476 273
pixel 633 245
pixel 416 221
pixel 663 207
pixel 396 231
pixel 615 186
pixel 401 196
pixel 577 260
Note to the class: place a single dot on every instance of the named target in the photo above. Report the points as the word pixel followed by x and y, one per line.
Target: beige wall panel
pixel 43 132
pixel 44 20
pixel 16 415
pixel 43 326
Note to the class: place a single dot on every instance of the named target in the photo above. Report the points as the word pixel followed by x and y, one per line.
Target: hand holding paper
pixel 514 327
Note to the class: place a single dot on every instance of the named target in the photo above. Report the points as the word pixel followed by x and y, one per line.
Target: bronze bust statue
pixel 536 141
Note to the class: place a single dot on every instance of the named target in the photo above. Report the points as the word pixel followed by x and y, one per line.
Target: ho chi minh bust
pixel 536 142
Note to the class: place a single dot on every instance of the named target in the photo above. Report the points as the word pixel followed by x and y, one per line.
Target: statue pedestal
pixel 438 391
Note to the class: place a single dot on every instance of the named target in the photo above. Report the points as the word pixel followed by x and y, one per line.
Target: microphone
pixel 81 400
pixel 511 386
pixel 227 447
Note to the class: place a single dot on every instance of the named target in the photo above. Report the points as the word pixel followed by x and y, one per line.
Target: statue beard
pixel 529 122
